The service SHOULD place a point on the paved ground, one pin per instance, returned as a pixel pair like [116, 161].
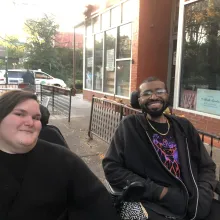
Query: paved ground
[76, 135]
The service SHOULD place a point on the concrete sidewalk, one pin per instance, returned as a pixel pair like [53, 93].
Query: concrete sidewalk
[76, 135]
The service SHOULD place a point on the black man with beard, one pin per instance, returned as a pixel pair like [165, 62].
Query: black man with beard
[166, 153]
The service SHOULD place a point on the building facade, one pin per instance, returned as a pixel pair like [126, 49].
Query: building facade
[176, 40]
[63, 40]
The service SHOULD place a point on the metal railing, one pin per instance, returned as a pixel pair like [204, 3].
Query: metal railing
[209, 139]
[105, 117]
[7, 87]
[60, 99]
[25, 86]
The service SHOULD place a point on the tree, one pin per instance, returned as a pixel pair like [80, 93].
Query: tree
[202, 44]
[41, 51]
[40, 41]
[65, 59]
[14, 49]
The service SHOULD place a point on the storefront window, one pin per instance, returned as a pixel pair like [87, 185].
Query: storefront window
[124, 41]
[109, 75]
[200, 71]
[105, 20]
[88, 28]
[127, 9]
[105, 32]
[122, 77]
[89, 62]
[96, 24]
[98, 62]
[115, 16]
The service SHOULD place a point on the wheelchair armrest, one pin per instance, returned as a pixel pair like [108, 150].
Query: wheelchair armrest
[113, 191]
[133, 191]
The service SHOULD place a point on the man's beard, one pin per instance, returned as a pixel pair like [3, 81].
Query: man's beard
[154, 112]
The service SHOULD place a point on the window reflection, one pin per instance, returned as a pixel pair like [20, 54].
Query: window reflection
[124, 41]
[98, 62]
[110, 41]
[200, 72]
[89, 62]
[106, 20]
[96, 24]
[115, 16]
[88, 28]
[123, 78]
[127, 8]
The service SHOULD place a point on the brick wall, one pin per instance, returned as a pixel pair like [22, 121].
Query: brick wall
[206, 124]
[135, 45]
[154, 35]
[88, 96]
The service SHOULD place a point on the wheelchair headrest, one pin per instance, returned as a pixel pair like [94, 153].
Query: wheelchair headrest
[134, 100]
[45, 115]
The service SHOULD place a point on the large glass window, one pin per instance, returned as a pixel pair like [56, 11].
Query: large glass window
[127, 9]
[124, 41]
[115, 16]
[96, 24]
[122, 77]
[89, 62]
[88, 28]
[200, 72]
[109, 75]
[105, 20]
[106, 32]
[98, 62]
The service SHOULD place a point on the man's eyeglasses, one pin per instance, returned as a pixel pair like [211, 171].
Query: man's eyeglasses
[157, 92]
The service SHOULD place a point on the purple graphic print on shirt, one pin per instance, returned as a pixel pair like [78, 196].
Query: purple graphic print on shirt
[168, 153]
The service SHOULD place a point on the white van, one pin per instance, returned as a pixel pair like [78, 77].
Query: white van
[15, 77]
[46, 79]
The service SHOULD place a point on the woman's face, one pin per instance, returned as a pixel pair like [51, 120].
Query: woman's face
[19, 130]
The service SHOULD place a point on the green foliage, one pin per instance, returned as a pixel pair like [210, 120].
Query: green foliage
[201, 60]
[14, 50]
[79, 64]
[41, 53]
[40, 49]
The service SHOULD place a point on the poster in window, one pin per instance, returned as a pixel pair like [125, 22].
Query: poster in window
[110, 60]
[89, 61]
[208, 101]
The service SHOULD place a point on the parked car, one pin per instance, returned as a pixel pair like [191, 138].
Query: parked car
[2, 77]
[44, 78]
[15, 77]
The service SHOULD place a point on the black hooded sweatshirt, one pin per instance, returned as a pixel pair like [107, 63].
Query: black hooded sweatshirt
[132, 157]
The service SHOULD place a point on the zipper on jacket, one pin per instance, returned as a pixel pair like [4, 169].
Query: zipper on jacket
[173, 176]
[197, 190]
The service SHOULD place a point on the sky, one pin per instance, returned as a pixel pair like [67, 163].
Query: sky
[14, 12]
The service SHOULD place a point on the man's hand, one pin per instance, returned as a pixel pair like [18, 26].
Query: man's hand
[163, 193]
[173, 199]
